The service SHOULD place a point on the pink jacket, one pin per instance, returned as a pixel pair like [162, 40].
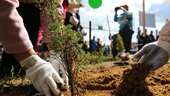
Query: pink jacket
[13, 34]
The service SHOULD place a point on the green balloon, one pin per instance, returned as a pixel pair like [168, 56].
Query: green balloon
[95, 3]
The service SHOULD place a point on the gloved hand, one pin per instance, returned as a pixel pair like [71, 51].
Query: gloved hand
[59, 66]
[154, 55]
[44, 77]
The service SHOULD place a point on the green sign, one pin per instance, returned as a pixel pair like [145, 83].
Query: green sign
[95, 3]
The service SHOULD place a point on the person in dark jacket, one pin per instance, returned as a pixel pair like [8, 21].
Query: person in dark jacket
[151, 37]
[93, 44]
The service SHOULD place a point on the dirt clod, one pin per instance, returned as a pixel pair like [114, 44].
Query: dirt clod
[133, 81]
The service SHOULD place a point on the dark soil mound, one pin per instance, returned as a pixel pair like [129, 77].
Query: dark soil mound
[133, 82]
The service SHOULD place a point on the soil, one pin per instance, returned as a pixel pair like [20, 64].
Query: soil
[106, 79]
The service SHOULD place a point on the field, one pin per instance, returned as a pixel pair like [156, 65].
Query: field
[99, 80]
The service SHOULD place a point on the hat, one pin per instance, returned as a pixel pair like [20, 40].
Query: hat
[125, 7]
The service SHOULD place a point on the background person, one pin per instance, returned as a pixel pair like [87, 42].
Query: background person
[125, 28]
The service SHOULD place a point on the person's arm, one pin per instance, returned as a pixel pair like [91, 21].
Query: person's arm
[156, 54]
[116, 17]
[13, 34]
[164, 37]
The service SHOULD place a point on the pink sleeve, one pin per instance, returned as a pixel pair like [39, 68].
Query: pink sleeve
[13, 34]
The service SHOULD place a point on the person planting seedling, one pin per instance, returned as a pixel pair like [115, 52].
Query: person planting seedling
[151, 57]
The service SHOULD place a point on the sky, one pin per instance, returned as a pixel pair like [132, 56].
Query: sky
[99, 16]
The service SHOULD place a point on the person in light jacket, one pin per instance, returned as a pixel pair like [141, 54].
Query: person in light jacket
[155, 55]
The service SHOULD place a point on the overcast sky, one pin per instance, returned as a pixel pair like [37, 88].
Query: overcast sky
[99, 16]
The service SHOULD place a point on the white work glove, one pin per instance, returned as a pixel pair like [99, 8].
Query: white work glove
[60, 67]
[43, 76]
[153, 55]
